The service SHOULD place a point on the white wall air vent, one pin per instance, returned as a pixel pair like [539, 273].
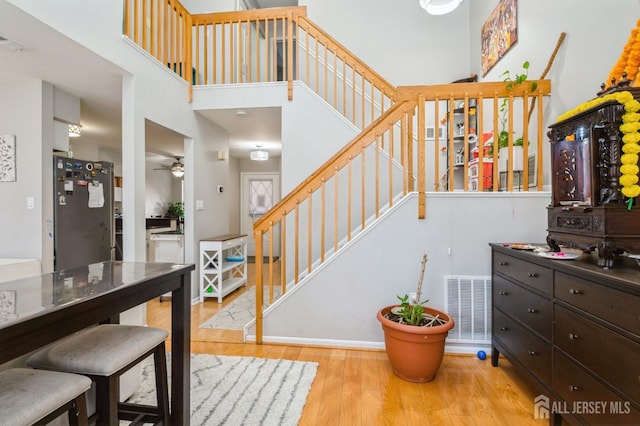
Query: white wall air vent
[11, 45]
[468, 302]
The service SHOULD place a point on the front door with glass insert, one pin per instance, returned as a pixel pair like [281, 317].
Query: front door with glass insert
[260, 192]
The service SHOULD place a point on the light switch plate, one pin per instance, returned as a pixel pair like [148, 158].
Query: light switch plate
[31, 203]
[199, 204]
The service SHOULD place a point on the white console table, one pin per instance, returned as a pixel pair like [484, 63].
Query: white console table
[223, 265]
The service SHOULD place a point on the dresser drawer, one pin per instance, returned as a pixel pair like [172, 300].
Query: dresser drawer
[577, 387]
[527, 273]
[531, 309]
[533, 352]
[615, 306]
[614, 358]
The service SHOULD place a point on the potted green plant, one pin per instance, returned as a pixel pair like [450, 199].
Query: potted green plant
[414, 335]
[176, 210]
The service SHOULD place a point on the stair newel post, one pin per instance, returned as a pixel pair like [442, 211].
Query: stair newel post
[257, 235]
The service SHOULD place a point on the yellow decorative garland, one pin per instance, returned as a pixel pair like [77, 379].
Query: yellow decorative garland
[629, 60]
[630, 128]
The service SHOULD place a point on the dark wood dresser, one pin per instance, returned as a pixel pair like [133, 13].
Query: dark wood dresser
[573, 328]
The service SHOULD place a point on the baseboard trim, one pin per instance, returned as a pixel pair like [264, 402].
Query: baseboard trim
[450, 348]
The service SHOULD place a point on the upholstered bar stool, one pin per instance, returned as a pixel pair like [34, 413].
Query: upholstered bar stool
[36, 397]
[104, 353]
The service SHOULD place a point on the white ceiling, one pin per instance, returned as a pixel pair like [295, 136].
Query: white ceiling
[97, 82]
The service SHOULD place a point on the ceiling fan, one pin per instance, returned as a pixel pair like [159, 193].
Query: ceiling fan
[177, 168]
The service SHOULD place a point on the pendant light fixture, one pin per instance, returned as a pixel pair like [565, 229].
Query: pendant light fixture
[439, 7]
[259, 154]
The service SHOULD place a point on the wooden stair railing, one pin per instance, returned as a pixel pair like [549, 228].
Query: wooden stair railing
[384, 162]
[335, 203]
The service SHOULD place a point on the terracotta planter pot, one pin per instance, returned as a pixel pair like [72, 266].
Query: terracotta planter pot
[415, 353]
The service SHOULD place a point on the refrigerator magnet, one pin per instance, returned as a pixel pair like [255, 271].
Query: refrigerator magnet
[68, 185]
[82, 183]
[60, 164]
[62, 200]
[89, 166]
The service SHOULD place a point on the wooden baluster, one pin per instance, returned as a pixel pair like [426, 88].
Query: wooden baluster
[376, 147]
[496, 135]
[421, 158]
[391, 166]
[364, 185]
[223, 54]
[336, 189]
[335, 79]
[309, 231]
[322, 220]
[296, 243]
[349, 195]
[283, 252]
[539, 164]
[259, 286]
[270, 263]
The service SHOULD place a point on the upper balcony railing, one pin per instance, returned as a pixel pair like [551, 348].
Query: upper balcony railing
[261, 45]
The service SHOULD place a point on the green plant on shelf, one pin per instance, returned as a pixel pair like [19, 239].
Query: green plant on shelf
[512, 80]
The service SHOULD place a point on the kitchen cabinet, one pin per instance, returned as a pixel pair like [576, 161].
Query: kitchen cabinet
[573, 330]
[223, 265]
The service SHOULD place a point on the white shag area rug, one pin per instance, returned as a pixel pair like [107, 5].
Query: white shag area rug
[235, 390]
[239, 312]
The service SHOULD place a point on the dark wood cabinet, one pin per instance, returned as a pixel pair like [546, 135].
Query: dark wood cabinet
[574, 329]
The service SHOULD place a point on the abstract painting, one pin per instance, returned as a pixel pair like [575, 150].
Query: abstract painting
[499, 33]
[7, 158]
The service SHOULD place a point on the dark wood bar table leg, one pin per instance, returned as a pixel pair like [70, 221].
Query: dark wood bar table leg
[181, 353]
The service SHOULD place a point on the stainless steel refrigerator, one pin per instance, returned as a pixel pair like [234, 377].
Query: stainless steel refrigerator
[83, 213]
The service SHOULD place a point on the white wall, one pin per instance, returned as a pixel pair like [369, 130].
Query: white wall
[23, 114]
[398, 39]
[385, 261]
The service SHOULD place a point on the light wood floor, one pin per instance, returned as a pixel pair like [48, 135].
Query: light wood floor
[357, 387]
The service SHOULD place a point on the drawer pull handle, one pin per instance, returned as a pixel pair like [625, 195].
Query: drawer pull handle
[532, 353]
[504, 328]
[574, 291]
[503, 263]
[573, 388]
[532, 275]
[573, 336]
[532, 310]
[504, 293]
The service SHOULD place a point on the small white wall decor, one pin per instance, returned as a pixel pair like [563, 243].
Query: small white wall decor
[7, 158]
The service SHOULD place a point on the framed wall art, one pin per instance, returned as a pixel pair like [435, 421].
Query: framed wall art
[7, 158]
[499, 33]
